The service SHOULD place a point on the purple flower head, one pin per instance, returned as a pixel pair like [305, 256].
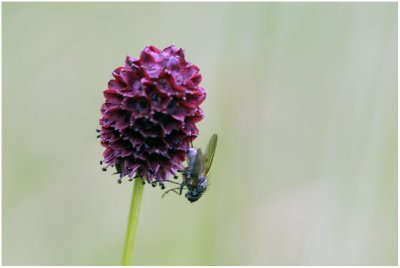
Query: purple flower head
[150, 113]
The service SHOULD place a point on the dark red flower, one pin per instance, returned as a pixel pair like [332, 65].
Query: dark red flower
[150, 113]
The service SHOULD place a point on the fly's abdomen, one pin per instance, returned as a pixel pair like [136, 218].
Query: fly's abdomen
[203, 184]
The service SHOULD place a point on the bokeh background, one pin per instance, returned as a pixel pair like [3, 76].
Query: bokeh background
[302, 95]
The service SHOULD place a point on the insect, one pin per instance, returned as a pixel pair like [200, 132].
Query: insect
[195, 174]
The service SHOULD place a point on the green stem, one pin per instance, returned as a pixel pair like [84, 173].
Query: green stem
[127, 255]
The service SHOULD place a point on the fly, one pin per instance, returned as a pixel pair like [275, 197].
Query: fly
[194, 176]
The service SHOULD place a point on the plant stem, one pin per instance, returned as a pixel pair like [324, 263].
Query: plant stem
[127, 255]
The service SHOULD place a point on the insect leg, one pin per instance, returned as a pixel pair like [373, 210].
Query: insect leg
[174, 190]
[181, 188]
[174, 182]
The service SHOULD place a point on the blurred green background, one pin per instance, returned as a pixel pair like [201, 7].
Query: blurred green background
[302, 95]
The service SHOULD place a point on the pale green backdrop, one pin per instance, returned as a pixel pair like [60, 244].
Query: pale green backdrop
[302, 95]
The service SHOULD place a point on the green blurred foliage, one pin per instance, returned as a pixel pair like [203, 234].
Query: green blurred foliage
[303, 97]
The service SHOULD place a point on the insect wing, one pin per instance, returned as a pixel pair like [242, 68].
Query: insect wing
[198, 167]
[209, 156]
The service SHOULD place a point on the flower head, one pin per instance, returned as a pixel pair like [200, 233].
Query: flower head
[150, 113]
